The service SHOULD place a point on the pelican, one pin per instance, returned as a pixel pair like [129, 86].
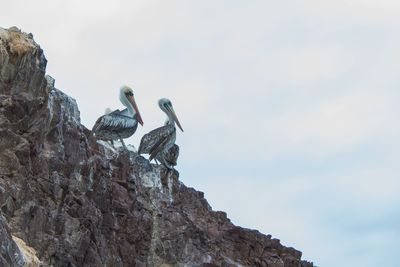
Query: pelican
[157, 142]
[119, 124]
[171, 156]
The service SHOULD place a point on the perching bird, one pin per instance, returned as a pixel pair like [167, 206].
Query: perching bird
[171, 156]
[119, 124]
[157, 142]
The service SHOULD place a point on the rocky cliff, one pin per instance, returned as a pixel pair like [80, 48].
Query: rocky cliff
[67, 199]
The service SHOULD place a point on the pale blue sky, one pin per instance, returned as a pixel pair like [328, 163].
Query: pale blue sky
[290, 108]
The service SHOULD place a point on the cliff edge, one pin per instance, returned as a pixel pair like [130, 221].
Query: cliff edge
[69, 200]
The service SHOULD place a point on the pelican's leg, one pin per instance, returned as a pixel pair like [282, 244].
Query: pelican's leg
[112, 142]
[123, 144]
[161, 156]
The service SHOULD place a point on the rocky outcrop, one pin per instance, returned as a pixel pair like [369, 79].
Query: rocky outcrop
[70, 200]
[10, 255]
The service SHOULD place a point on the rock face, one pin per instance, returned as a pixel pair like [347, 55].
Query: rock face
[75, 201]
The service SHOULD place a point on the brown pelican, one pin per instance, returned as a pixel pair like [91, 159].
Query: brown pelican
[157, 142]
[171, 156]
[119, 124]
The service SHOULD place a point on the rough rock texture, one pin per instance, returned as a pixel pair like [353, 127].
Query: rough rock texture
[10, 255]
[75, 201]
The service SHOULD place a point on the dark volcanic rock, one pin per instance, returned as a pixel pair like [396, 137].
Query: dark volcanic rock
[75, 201]
[9, 251]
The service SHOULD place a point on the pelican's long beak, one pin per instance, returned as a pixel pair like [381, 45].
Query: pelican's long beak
[175, 118]
[136, 109]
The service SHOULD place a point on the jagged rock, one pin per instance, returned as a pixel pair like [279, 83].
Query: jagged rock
[10, 255]
[76, 201]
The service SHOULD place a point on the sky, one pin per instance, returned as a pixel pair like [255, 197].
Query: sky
[290, 108]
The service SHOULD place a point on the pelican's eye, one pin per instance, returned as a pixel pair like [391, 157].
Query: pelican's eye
[128, 93]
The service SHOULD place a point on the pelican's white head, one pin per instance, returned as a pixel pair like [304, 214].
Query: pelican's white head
[127, 98]
[166, 106]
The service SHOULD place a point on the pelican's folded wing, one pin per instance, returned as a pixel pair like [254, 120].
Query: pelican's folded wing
[113, 121]
[156, 138]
